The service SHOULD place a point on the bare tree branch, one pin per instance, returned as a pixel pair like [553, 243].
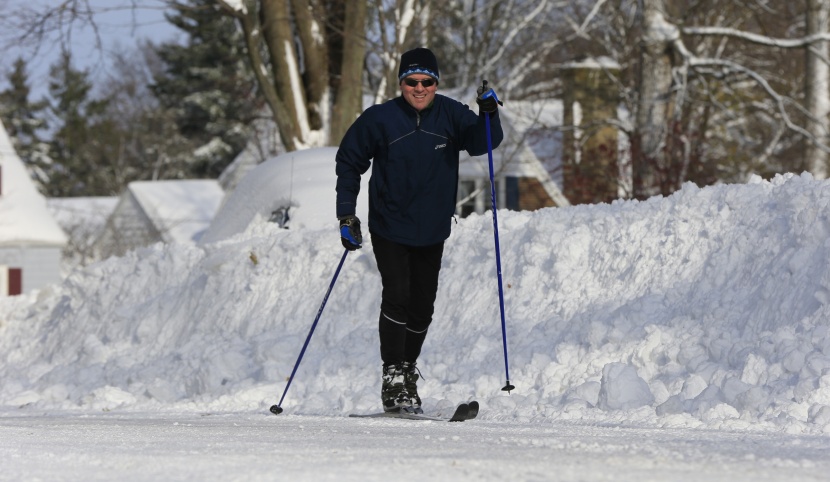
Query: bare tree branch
[756, 38]
[780, 100]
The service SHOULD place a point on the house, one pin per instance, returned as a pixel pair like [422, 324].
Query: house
[526, 166]
[595, 154]
[148, 212]
[558, 152]
[30, 239]
[82, 219]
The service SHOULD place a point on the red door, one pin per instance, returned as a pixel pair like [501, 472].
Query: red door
[15, 281]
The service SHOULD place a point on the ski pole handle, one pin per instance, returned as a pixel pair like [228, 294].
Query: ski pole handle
[485, 93]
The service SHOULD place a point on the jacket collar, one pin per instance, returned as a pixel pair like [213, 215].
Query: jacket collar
[411, 110]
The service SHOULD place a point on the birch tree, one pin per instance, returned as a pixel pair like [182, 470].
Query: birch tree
[394, 26]
[817, 87]
[307, 85]
[656, 102]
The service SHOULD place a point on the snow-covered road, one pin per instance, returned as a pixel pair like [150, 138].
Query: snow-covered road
[68, 446]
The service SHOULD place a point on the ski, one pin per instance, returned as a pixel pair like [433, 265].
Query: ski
[464, 411]
[473, 410]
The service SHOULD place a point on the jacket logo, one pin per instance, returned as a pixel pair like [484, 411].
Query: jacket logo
[439, 146]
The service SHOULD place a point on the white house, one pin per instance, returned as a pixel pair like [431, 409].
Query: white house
[30, 239]
[147, 212]
[526, 165]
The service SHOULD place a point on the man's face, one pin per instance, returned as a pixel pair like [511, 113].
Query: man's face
[418, 96]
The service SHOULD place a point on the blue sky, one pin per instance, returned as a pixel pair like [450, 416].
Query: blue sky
[121, 24]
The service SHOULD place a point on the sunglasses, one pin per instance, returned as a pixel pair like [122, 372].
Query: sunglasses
[424, 82]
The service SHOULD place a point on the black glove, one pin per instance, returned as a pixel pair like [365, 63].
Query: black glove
[489, 103]
[350, 234]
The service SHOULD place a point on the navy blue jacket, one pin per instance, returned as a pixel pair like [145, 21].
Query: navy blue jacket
[414, 159]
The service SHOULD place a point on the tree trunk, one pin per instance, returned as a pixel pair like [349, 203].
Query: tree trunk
[349, 94]
[277, 32]
[315, 58]
[655, 101]
[252, 32]
[817, 90]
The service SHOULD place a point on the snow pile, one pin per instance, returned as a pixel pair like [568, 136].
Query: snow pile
[707, 309]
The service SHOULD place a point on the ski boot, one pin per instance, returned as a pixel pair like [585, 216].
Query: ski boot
[393, 391]
[411, 374]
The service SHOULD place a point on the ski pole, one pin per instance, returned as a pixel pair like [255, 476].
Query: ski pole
[277, 409]
[491, 93]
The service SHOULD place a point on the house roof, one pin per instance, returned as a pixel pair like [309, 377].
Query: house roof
[91, 213]
[181, 210]
[24, 217]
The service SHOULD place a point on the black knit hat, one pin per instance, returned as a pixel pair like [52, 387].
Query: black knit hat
[418, 61]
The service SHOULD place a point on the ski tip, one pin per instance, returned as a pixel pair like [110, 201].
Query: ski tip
[276, 409]
[460, 413]
[472, 410]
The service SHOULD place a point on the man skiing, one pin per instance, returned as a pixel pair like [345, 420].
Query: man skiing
[412, 143]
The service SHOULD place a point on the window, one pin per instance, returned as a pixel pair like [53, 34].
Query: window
[474, 196]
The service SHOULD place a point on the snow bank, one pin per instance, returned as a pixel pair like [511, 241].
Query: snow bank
[707, 309]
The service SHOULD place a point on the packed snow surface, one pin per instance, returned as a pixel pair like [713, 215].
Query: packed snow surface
[690, 329]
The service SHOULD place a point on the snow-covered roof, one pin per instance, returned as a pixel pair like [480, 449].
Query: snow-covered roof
[601, 62]
[91, 212]
[534, 124]
[180, 210]
[302, 180]
[24, 218]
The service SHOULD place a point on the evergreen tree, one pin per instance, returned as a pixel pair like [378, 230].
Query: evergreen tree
[208, 85]
[82, 147]
[23, 120]
[152, 147]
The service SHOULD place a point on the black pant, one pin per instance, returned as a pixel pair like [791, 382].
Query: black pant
[410, 282]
